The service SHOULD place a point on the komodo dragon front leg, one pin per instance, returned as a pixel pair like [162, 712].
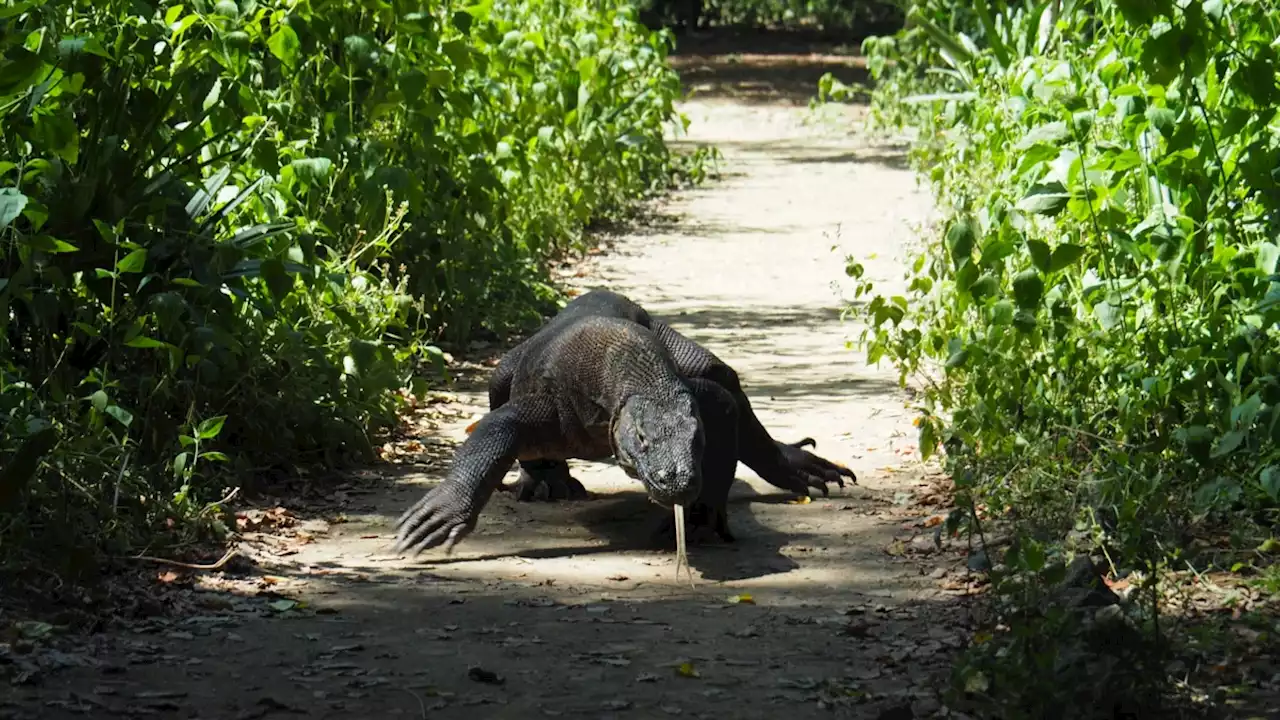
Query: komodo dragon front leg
[448, 512]
[539, 479]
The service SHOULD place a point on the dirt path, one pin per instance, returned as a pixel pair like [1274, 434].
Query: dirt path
[851, 609]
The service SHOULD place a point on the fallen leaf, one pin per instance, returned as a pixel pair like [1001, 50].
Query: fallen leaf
[687, 670]
[32, 629]
[743, 598]
[976, 683]
[802, 500]
[282, 605]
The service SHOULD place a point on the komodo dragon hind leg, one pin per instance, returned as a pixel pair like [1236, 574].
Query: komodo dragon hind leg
[548, 481]
[719, 413]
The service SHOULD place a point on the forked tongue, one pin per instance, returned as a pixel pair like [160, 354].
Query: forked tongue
[682, 549]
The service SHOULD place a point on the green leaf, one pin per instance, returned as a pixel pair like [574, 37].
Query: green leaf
[1268, 254]
[1025, 321]
[1126, 160]
[124, 417]
[1033, 555]
[99, 400]
[133, 262]
[960, 241]
[1002, 313]
[1140, 13]
[312, 171]
[279, 281]
[1244, 414]
[985, 286]
[364, 352]
[50, 245]
[143, 342]
[928, 439]
[16, 9]
[1270, 480]
[284, 44]
[1082, 122]
[1162, 119]
[1064, 256]
[1028, 289]
[1052, 133]
[462, 21]
[943, 39]
[1229, 443]
[12, 202]
[209, 428]
[84, 44]
[180, 463]
[1040, 256]
[23, 69]
[1045, 199]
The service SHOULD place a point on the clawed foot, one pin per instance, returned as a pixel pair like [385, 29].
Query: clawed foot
[547, 484]
[802, 469]
[440, 517]
[695, 516]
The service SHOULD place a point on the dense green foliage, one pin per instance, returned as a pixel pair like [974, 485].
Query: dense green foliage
[1093, 323]
[229, 230]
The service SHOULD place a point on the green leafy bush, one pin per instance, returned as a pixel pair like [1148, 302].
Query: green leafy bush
[228, 230]
[1093, 323]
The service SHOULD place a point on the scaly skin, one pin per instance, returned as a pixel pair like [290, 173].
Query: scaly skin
[591, 387]
[783, 465]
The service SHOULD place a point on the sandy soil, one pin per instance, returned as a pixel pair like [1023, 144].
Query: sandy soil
[840, 606]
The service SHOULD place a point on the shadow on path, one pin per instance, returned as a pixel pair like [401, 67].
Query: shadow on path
[758, 67]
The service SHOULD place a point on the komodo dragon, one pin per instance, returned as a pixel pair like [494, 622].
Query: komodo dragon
[783, 465]
[603, 379]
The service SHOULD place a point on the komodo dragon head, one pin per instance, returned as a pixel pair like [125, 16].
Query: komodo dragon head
[658, 440]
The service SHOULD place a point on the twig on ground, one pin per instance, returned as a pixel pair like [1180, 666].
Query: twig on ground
[190, 566]
[422, 706]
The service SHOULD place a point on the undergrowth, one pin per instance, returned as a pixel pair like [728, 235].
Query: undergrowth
[231, 231]
[1092, 326]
